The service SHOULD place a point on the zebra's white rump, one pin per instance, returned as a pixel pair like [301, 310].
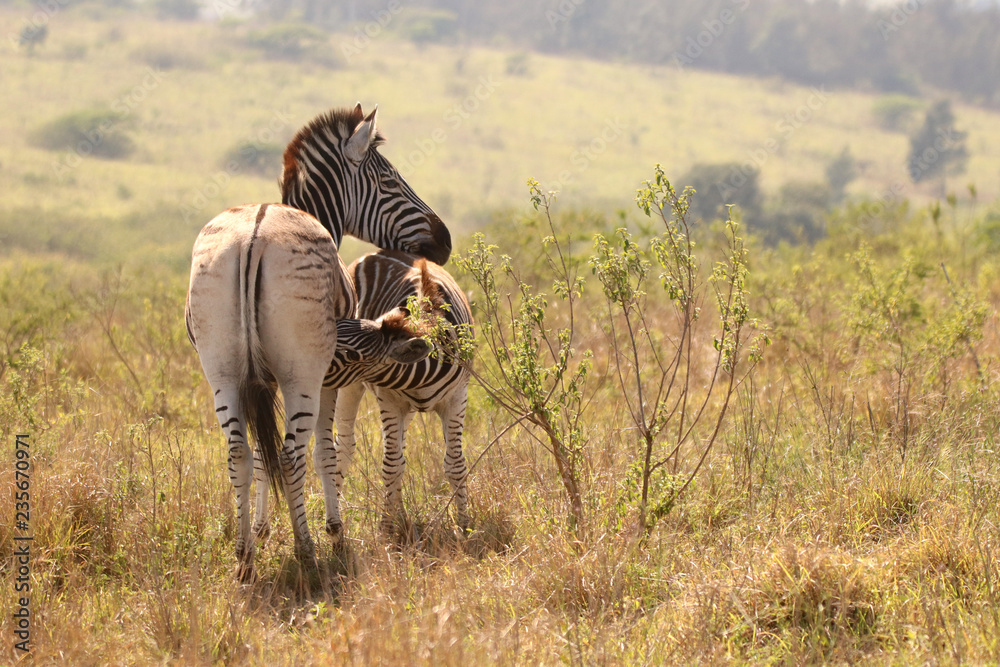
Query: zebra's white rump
[267, 299]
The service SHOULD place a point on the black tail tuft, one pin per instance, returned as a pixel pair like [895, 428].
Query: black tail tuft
[258, 390]
[259, 397]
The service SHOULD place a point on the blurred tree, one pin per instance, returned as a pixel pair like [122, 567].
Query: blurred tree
[719, 185]
[182, 10]
[32, 35]
[895, 112]
[798, 215]
[98, 132]
[938, 148]
[783, 49]
[840, 172]
[950, 44]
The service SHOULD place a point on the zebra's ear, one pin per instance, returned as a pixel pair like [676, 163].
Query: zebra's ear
[396, 322]
[362, 138]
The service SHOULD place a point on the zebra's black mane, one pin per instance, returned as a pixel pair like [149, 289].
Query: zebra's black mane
[340, 122]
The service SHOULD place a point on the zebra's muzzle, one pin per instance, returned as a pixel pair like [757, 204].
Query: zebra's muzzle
[411, 351]
[438, 247]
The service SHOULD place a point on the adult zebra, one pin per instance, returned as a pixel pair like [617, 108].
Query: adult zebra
[266, 308]
[333, 170]
[267, 287]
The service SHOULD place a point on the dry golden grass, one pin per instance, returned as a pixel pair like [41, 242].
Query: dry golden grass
[812, 535]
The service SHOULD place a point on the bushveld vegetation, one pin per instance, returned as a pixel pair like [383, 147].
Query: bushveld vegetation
[844, 507]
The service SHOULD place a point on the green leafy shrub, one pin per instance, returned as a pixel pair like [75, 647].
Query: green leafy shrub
[293, 41]
[252, 158]
[532, 369]
[536, 367]
[654, 364]
[98, 132]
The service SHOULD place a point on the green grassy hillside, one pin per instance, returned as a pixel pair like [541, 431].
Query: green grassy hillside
[466, 126]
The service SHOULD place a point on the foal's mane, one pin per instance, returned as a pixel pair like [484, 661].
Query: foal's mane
[432, 305]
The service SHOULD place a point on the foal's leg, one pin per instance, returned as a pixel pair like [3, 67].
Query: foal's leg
[325, 460]
[452, 414]
[396, 416]
[261, 522]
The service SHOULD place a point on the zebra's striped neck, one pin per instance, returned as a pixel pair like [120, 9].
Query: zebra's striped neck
[333, 171]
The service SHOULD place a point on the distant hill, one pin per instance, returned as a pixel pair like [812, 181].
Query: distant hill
[951, 45]
[206, 107]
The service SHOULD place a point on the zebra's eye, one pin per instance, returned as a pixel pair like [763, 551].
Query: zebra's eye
[390, 183]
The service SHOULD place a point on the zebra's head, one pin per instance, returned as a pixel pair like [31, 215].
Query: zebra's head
[364, 347]
[405, 346]
[333, 170]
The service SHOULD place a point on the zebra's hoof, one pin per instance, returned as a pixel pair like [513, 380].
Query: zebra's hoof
[262, 530]
[335, 529]
[244, 571]
[244, 551]
[305, 553]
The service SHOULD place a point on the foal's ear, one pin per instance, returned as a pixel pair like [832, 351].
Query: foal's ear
[396, 321]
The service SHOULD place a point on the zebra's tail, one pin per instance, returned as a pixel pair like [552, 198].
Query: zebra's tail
[257, 388]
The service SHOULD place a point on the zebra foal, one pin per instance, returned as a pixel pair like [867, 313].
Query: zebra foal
[386, 280]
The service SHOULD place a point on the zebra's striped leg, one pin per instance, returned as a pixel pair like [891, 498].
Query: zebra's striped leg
[300, 419]
[348, 402]
[261, 522]
[233, 425]
[452, 413]
[325, 460]
[395, 419]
